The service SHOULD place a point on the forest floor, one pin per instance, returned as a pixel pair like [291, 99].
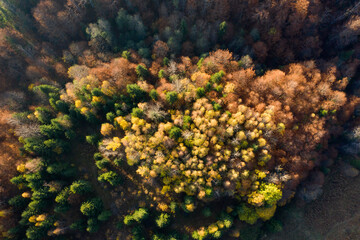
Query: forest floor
[9, 159]
[334, 216]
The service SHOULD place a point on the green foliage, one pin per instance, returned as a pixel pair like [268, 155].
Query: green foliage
[35, 233]
[62, 197]
[93, 139]
[200, 92]
[18, 202]
[216, 77]
[91, 207]
[171, 97]
[110, 116]
[20, 179]
[79, 225]
[103, 163]
[163, 220]
[162, 73]
[43, 115]
[97, 156]
[111, 177]
[247, 214]
[92, 225]
[138, 216]
[104, 216]
[137, 112]
[355, 162]
[165, 61]
[153, 94]
[206, 212]
[126, 55]
[274, 226]
[47, 89]
[222, 29]
[80, 187]
[175, 133]
[271, 193]
[141, 71]
[136, 93]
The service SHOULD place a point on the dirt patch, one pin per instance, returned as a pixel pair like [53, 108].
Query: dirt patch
[335, 215]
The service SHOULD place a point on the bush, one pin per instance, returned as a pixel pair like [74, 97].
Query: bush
[91, 207]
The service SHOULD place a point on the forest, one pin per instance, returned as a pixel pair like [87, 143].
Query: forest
[175, 120]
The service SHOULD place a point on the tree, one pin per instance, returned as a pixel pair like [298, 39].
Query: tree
[171, 97]
[136, 93]
[91, 207]
[141, 71]
[80, 187]
[104, 216]
[101, 36]
[163, 220]
[111, 177]
[138, 216]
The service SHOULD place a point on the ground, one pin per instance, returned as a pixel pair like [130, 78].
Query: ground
[334, 216]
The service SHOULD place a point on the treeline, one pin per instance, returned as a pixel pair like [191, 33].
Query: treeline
[81, 31]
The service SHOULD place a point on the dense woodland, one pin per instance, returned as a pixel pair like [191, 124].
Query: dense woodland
[180, 119]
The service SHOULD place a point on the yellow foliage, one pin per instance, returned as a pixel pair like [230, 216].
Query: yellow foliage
[115, 144]
[32, 219]
[78, 103]
[26, 195]
[21, 168]
[266, 213]
[106, 129]
[41, 218]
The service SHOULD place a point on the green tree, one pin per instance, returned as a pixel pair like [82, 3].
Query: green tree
[111, 177]
[80, 187]
[171, 97]
[142, 71]
[163, 220]
[91, 207]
